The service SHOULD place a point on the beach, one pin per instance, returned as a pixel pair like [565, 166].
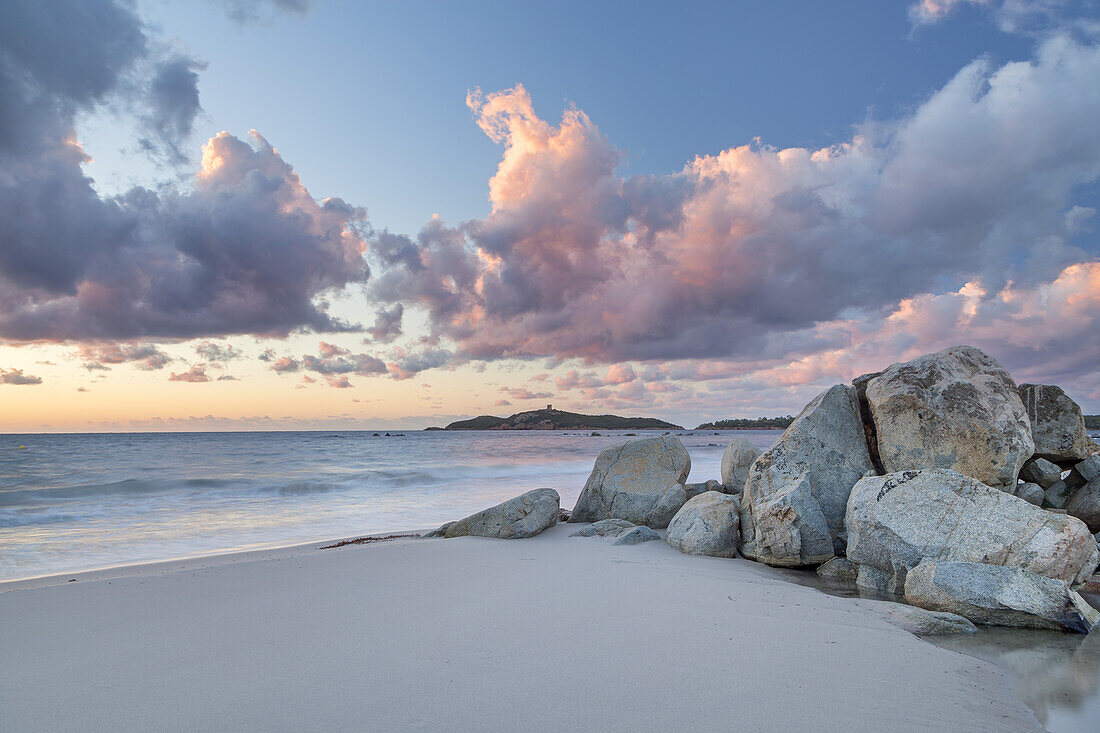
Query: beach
[547, 633]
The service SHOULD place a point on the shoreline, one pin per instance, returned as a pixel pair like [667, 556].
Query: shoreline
[550, 632]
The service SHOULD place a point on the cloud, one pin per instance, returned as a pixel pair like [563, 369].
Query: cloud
[740, 254]
[522, 393]
[387, 323]
[244, 12]
[144, 356]
[925, 12]
[502, 403]
[16, 376]
[407, 363]
[332, 362]
[197, 373]
[216, 353]
[243, 249]
[173, 98]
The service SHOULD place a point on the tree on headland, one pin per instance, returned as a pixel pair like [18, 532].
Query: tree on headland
[745, 423]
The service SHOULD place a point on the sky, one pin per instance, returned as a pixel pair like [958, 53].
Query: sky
[317, 215]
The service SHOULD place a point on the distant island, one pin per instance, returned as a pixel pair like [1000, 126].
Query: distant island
[744, 423]
[1092, 422]
[551, 419]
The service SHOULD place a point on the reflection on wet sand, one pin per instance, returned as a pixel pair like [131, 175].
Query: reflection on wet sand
[1056, 674]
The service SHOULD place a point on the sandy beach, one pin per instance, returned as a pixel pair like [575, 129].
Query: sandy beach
[548, 633]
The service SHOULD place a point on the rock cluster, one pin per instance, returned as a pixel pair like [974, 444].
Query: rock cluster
[937, 479]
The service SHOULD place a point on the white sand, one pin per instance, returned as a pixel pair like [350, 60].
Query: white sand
[550, 633]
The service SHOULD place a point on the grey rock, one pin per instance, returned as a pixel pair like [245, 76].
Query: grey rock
[641, 481]
[604, 528]
[792, 509]
[693, 490]
[1056, 495]
[636, 536]
[956, 409]
[1085, 504]
[1031, 493]
[899, 520]
[1083, 472]
[706, 525]
[838, 570]
[736, 459]
[999, 596]
[523, 516]
[871, 578]
[1057, 426]
[1042, 472]
[921, 621]
[436, 532]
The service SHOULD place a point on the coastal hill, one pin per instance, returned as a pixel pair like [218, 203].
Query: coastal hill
[551, 419]
[742, 423]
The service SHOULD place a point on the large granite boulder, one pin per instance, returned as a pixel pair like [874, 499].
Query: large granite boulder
[999, 596]
[956, 409]
[736, 459]
[1057, 426]
[636, 536]
[524, 516]
[641, 481]
[792, 508]
[1041, 471]
[693, 490]
[898, 520]
[706, 525]
[921, 621]
[1084, 503]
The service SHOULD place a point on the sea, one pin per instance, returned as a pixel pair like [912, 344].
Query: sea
[75, 502]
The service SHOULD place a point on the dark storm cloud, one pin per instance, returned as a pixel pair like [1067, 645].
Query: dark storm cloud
[246, 249]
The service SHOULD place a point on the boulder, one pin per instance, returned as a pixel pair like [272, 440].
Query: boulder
[706, 525]
[693, 490]
[999, 596]
[1083, 472]
[604, 528]
[636, 536]
[871, 578]
[1056, 495]
[898, 520]
[956, 409]
[792, 508]
[1057, 426]
[838, 570]
[1031, 493]
[736, 459]
[921, 621]
[641, 481]
[1042, 472]
[524, 516]
[1085, 504]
